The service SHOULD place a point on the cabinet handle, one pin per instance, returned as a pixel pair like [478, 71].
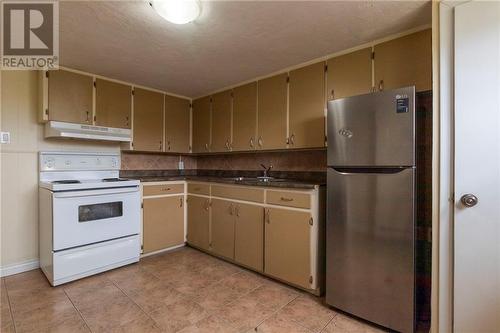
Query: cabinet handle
[332, 94]
[206, 146]
[251, 142]
[160, 145]
[168, 144]
[237, 209]
[286, 199]
[87, 118]
[207, 205]
[268, 217]
[260, 141]
[126, 121]
[181, 201]
[231, 209]
[292, 139]
[381, 85]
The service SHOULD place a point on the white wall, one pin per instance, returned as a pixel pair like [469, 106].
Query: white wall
[19, 167]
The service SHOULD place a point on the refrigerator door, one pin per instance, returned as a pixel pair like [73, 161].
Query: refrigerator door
[370, 256]
[375, 129]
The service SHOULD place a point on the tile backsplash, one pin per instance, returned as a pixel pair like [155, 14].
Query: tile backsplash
[307, 160]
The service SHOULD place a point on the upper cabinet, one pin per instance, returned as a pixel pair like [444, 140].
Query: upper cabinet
[177, 124]
[244, 117]
[221, 121]
[405, 61]
[113, 104]
[201, 124]
[70, 97]
[272, 112]
[307, 107]
[349, 74]
[148, 120]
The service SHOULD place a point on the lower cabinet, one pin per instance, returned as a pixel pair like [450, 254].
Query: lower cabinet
[249, 236]
[278, 238]
[163, 222]
[287, 245]
[198, 215]
[223, 216]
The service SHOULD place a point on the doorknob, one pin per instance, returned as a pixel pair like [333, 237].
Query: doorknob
[469, 200]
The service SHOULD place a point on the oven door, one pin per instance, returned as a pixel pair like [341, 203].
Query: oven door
[92, 216]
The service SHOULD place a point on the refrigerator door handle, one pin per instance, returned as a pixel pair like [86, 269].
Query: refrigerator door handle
[376, 170]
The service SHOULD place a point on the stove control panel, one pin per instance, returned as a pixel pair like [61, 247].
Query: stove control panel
[67, 161]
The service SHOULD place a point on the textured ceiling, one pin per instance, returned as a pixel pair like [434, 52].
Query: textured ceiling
[232, 41]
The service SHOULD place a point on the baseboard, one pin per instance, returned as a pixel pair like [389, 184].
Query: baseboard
[162, 250]
[19, 268]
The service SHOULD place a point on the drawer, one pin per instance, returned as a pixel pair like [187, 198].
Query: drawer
[238, 193]
[195, 188]
[148, 190]
[290, 199]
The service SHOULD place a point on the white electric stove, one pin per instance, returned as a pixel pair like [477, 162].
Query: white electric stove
[89, 217]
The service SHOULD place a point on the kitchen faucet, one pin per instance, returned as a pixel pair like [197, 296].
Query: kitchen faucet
[266, 170]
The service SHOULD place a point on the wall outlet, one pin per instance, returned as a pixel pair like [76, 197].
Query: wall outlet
[181, 165]
[5, 137]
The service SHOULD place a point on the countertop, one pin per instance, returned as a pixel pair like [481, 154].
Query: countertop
[282, 182]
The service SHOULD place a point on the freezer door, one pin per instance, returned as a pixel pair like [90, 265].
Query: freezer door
[375, 129]
[370, 257]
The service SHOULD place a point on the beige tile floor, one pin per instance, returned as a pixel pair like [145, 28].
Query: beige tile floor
[181, 291]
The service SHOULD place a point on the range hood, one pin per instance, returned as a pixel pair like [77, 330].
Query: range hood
[58, 129]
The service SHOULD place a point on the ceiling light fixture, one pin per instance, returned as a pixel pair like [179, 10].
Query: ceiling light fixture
[177, 11]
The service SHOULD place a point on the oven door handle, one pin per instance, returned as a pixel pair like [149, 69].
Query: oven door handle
[98, 192]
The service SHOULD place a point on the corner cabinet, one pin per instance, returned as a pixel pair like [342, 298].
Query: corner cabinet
[70, 97]
[198, 214]
[113, 104]
[148, 120]
[177, 124]
[307, 107]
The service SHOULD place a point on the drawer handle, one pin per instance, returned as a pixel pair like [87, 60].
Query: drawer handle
[165, 189]
[286, 199]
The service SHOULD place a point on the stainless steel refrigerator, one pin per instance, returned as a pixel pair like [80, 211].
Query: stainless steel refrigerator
[371, 207]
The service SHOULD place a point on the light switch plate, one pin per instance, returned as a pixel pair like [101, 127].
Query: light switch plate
[4, 137]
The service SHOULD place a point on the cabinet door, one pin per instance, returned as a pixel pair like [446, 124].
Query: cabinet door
[222, 228]
[201, 125]
[198, 219]
[163, 223]
[350, 74]
[249, 236]
[221, 121]
[70, 97]
[288, 246]
[405, 61]
[176, 124]
[148, 120]
[307, 107]
[272, 110]
[113, 104]
[244, 116]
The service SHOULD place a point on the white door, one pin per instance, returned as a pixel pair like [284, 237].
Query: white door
[477, 167]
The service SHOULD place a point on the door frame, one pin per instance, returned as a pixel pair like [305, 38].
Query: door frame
[443, 166]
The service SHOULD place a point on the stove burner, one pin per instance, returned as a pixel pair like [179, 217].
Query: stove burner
[114, 180]
[68, 181]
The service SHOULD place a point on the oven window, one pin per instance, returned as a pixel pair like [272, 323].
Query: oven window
[100, 211]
